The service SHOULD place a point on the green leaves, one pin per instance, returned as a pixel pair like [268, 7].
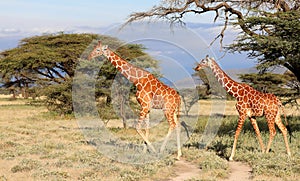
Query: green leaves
[47, 64]
[277, 42]
[50, 58]
[278, 84]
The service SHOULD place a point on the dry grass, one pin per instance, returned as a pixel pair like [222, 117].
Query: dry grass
[9, 101]
[209, 107]
[38, 145]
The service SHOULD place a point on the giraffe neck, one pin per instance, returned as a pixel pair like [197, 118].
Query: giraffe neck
[226, 82]
[131, 72]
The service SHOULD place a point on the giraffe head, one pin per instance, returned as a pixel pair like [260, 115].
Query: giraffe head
[203, 63]
[98, 50]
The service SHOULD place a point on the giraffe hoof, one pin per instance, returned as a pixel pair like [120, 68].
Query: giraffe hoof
[230, 159]
[178, 156]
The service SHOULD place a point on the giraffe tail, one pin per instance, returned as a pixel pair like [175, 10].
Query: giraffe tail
[185, 126]
[288, 127]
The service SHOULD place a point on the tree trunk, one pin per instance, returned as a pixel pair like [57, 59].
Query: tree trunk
[13, 92]
[293, 70]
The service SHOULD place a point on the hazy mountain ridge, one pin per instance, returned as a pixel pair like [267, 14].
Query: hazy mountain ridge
[233, 73]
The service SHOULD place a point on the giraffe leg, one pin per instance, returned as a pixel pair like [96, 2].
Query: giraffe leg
[140, 132]
[284, 133]
[179, 153]
[237, 133]
[256, 129]
[173, 121]
[147, 122]
[162, 148]
[139, 129]
[178, 127]
[145, 102]
[272, 130]
[170, 120]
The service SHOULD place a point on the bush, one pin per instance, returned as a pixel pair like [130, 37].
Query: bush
[59, 98]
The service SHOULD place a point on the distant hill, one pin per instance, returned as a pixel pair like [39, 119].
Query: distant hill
[167, 82]
[233, 73]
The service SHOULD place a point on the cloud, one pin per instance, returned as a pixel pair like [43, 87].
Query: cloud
[186, 45]
[211, 31]
[6, 32]
[9, 30]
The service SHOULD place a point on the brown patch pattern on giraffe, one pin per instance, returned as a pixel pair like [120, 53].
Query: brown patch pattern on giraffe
[151, 93]
[250, 103]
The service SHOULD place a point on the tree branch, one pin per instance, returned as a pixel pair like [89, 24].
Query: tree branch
[222, 32]
[57, 73]
[175, 10]
[178, 13]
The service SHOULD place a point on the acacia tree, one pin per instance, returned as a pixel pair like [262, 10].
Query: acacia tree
[43, 60]
[236, 12]
[279, 44]
[47, 63]
[174, 11]
[278, 84]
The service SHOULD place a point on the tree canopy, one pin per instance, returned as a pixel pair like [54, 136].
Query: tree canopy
[43, 60]
[48, 63]
[278, 45]
[278, 84]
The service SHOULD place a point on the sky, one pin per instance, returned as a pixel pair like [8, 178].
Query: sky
[25, 18]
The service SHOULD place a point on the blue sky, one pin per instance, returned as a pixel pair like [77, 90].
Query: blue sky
[53, 14]
[24, 18]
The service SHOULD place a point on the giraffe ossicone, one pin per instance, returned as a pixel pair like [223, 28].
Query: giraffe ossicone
[151, 93]
[250, 103]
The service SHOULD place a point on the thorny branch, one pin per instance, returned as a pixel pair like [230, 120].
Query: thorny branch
[221, 35]
[174, 11]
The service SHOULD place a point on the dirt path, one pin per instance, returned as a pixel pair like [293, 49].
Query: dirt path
[239, 171]
[186, 170]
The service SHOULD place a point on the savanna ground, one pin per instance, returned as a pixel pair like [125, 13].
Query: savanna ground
[38, 145]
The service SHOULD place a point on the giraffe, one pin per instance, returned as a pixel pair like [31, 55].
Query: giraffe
[151, 93]
[250, 103]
